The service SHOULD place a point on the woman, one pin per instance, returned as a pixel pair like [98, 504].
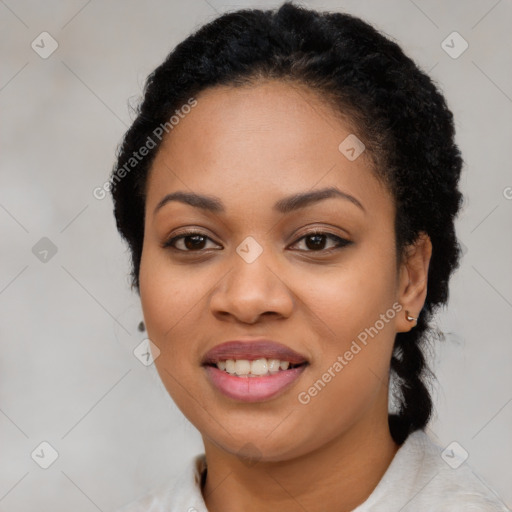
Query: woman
[288, 192]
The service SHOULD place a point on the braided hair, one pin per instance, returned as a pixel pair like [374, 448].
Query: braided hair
[400, 116]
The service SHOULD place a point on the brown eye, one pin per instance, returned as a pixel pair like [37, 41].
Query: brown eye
[316, 241]
[188, 242]
[192, 242]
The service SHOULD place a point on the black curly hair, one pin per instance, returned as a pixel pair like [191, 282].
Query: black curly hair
[400, 116]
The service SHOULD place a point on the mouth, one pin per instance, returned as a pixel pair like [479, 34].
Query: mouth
[253, 371]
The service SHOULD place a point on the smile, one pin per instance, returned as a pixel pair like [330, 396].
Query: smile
[253, 370]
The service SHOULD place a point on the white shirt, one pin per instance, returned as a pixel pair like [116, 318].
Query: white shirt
[417, 480]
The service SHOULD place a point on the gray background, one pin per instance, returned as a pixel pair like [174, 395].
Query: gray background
[69, 324]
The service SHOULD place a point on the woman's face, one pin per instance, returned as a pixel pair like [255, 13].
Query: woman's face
[317, 276]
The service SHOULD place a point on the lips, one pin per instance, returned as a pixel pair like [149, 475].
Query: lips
[253, 388]
[252, 350]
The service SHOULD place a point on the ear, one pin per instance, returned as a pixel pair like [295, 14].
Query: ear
[412, 280]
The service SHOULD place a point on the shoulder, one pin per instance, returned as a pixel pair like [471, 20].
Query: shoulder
[183, 494]
[426, 478]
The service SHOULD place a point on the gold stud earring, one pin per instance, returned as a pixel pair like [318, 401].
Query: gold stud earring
[409, 317]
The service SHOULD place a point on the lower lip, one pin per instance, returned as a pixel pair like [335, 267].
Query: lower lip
[253, 389]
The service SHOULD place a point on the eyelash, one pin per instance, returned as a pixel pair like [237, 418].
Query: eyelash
[341, 242]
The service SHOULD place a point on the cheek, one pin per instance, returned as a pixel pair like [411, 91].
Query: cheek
[350, 298]
[174, 301]
[351, 311]
[171, 298]
[168, 291]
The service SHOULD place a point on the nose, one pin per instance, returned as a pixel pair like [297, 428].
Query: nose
[250, 290]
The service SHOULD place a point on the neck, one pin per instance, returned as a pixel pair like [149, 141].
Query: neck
[340, 475]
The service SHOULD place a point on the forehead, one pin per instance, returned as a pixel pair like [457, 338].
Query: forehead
[265, 141]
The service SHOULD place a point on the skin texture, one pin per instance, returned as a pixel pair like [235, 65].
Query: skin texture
[250, 147]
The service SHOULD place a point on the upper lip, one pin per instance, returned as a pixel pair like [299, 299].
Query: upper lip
[251, 350]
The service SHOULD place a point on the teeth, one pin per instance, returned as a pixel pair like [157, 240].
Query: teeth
[273, 365]
[258, 367]
[230, 366]
[242, 367]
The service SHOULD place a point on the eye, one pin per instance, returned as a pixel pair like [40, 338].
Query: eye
[315, 241]
[192, 241]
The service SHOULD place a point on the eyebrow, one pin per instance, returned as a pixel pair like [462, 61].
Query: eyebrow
[286, 205]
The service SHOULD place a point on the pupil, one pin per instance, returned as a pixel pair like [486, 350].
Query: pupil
[320, 241]
[198, 240]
